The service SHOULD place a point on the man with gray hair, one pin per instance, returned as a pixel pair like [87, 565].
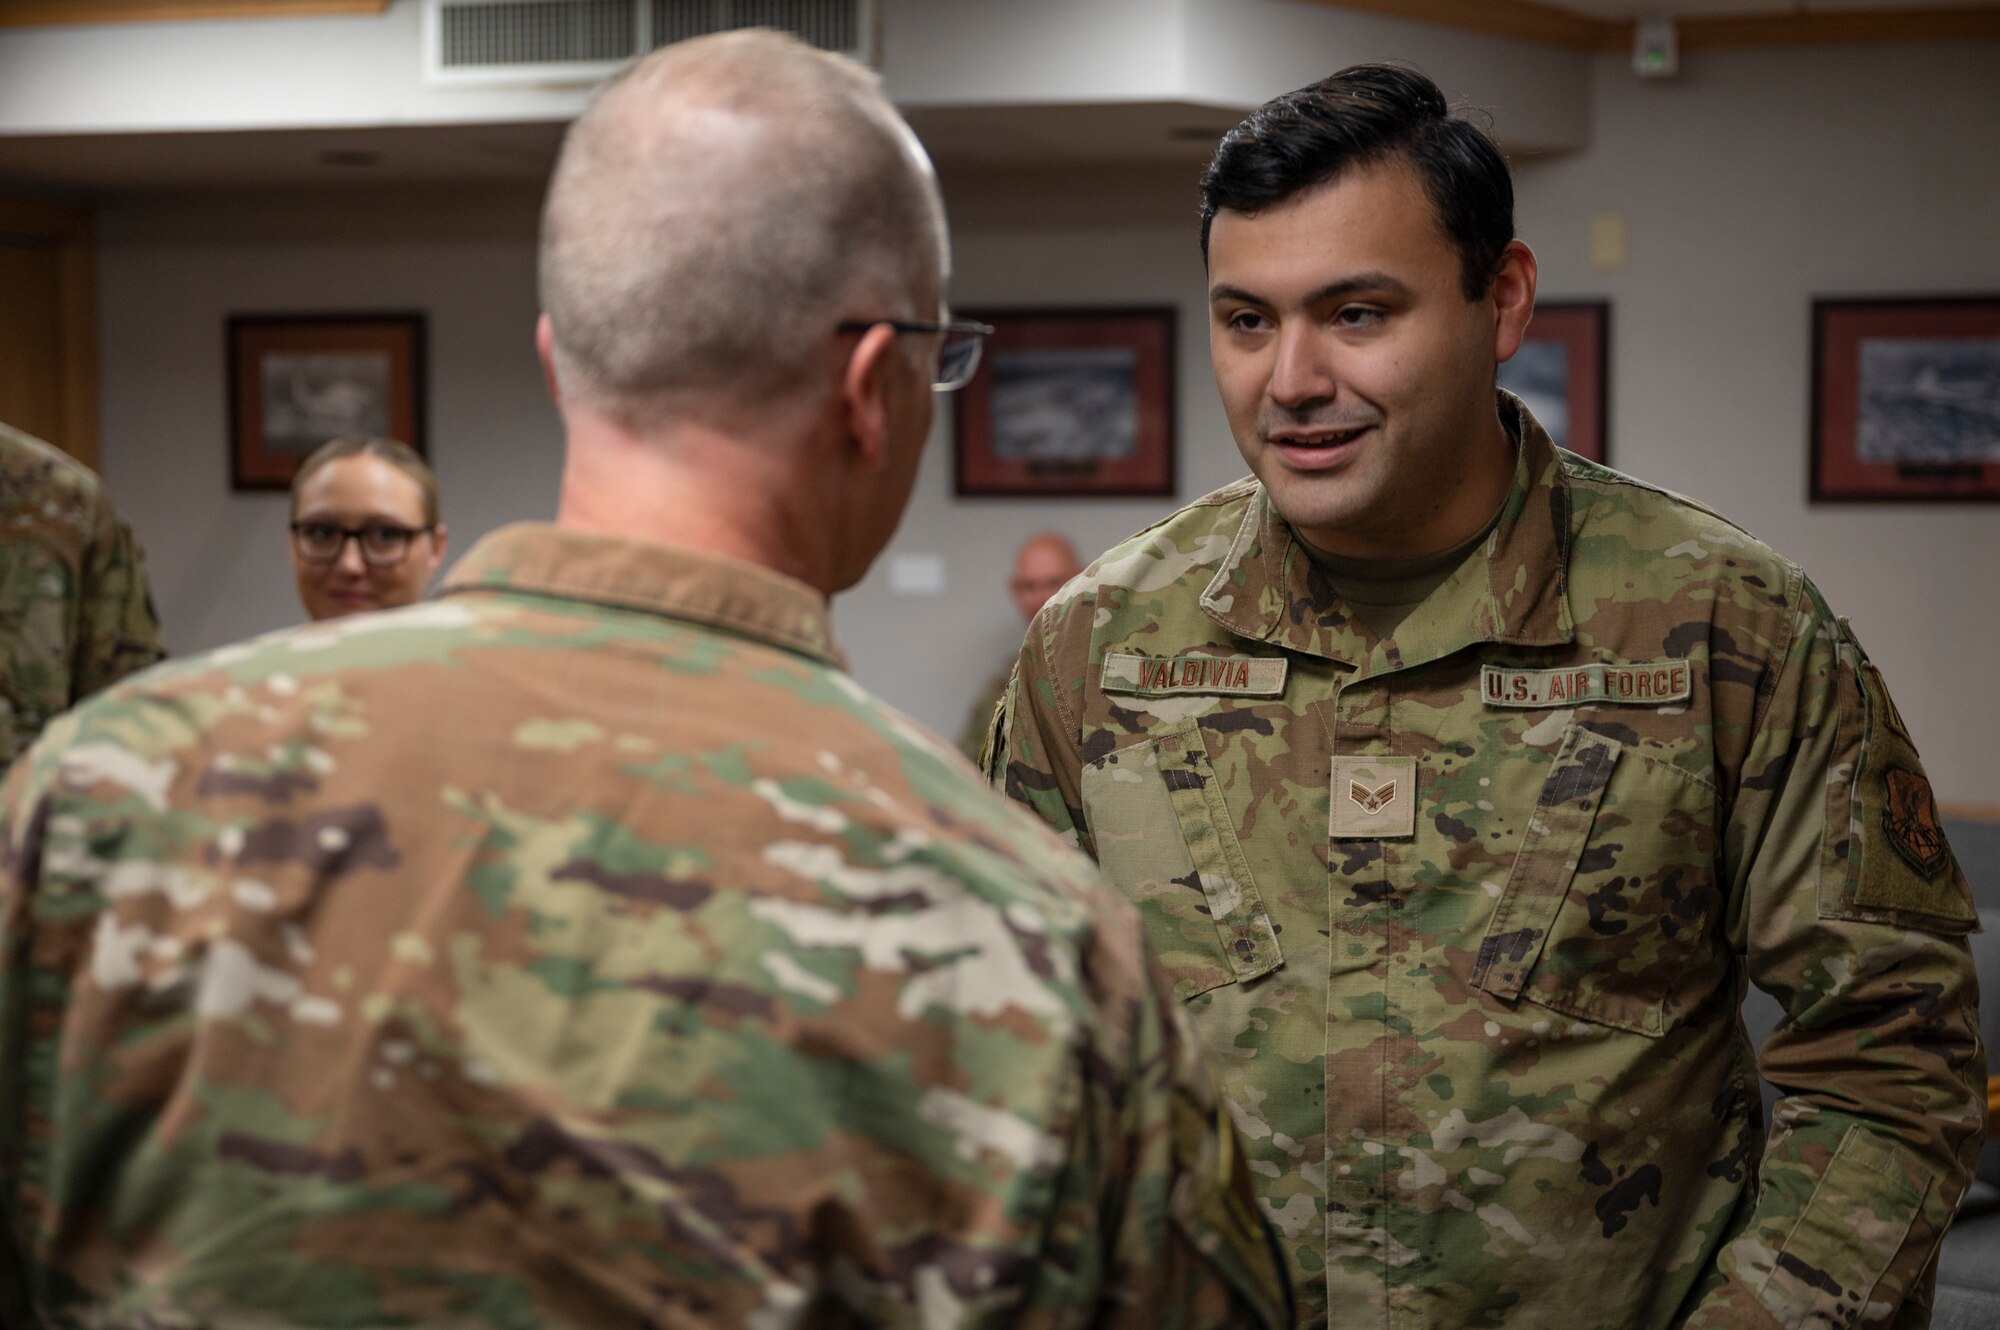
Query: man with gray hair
[583, 947]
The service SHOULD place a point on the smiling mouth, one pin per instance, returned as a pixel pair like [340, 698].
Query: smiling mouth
[1324, 447]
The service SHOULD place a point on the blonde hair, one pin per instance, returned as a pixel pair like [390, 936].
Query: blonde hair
[393, 451]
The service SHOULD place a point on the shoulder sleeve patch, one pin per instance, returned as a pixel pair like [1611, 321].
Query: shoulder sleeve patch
[1886, 850]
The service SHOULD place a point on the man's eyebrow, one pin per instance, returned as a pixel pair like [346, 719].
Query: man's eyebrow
[1374, 282]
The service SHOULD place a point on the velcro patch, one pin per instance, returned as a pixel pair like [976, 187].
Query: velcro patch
[1162, 676]
[1910, 817]
[1374, 798]
[1644, 685]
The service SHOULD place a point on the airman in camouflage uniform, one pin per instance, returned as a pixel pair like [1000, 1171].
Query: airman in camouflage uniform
[75, 614]
[1042, 564]
[584, 948]
[1464, 902]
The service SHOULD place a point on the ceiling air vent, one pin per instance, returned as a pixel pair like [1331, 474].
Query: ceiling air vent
[514, 43]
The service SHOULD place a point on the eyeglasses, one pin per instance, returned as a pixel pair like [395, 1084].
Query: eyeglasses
[958, 357]
[383, 544]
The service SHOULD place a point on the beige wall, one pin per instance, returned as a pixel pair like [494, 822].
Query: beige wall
[173, 270]
[1753, 182]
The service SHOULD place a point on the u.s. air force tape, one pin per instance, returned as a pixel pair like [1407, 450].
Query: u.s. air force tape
[1157, 676]
[1645, 685]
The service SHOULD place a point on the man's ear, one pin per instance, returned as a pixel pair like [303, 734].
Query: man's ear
[1513, 298]
[545, 351]
[866, 384]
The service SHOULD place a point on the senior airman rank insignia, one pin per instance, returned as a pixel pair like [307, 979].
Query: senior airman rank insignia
[1374, 798]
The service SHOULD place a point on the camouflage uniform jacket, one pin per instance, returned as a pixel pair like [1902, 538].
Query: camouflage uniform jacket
[1465, 916]
[582, 949]
[74, 611]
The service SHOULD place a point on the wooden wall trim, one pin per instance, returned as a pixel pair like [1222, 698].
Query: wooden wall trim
[1971, 812]
[1534, 20]
[70, 229]
[40, 217]
[48, 13]
[1528, 19]
[1857, 26]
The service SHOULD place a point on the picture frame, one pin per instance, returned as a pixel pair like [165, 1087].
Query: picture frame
[1069, 403]
[298, 380]
[1562, 372]
[1906, 399]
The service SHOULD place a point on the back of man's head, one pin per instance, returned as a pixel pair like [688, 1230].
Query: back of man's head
[1360, 116]
[715, 211]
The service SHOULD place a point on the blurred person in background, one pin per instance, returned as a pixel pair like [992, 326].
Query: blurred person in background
[365, 528]
[1044, 562]
[75, 611]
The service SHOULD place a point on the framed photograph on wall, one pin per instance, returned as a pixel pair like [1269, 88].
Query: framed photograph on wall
[1906, 399]
[1561, 373]
[297, 380]
[1069, 402]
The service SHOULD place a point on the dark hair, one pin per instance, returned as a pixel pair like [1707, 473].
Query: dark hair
[1362, 115]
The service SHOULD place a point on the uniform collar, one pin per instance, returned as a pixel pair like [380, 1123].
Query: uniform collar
[535, 558]
[1513, 589]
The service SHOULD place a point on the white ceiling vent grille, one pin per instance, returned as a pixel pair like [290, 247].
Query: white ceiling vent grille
[512, 43]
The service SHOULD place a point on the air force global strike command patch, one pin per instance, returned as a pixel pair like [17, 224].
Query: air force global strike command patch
[1910, 816]
[1644, 684]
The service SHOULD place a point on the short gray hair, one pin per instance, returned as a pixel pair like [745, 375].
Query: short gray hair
[716, 209]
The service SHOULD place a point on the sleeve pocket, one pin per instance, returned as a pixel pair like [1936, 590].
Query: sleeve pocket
[1849, 1231]
[1885, 858]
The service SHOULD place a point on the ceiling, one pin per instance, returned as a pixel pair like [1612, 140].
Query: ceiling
[1140, 136]
[1133, 134]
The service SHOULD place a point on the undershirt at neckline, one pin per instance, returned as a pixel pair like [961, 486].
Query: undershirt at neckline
[1383, 592]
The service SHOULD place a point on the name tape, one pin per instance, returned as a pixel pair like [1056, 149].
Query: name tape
[1645, 685]
[1244, 676]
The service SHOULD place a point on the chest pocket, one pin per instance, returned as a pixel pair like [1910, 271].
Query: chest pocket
[1613, 891]
[1166, 839]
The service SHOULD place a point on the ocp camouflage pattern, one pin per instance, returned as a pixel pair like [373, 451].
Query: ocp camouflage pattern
[75, 614]
[1465, 916]
[581, 949]
[978, 723]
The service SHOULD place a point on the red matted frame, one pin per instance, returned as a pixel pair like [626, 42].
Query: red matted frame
[297, 380]
[1056, 384]
[1582, 328]
[1906, 399]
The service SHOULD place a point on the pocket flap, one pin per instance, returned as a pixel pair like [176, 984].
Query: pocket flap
[1548, 858]
[1248, 939]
